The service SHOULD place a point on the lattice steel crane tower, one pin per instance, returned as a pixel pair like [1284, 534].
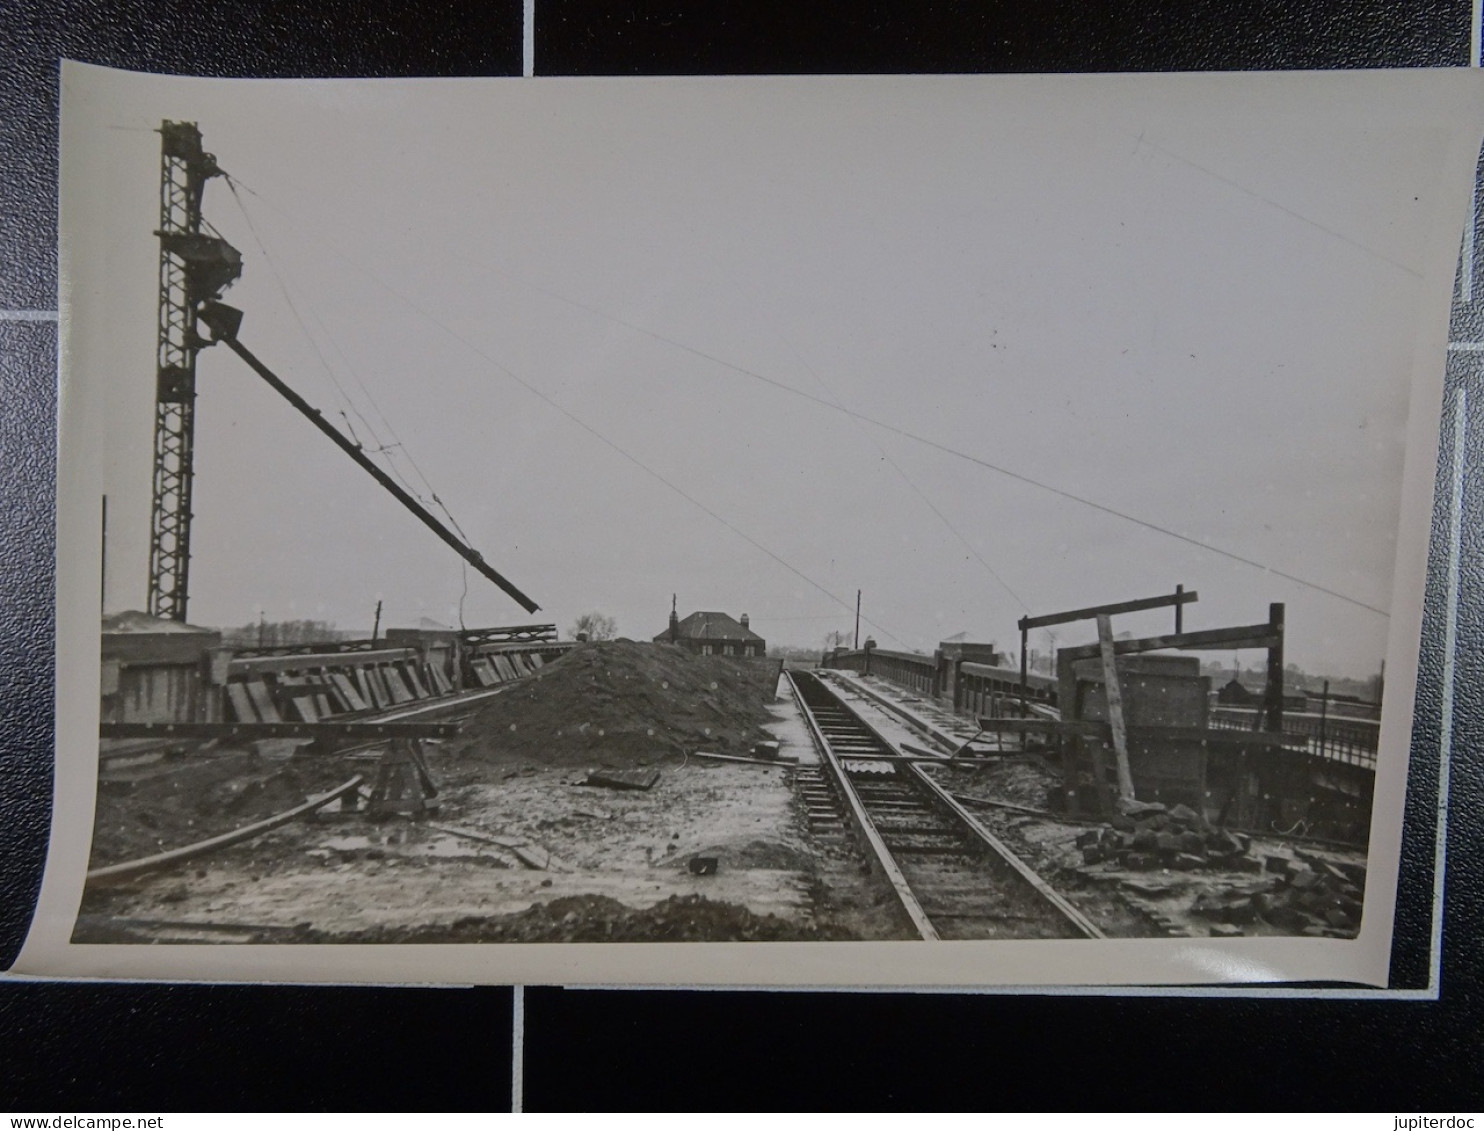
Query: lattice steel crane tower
[194, 266]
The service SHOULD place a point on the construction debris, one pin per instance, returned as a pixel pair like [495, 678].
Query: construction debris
[1150, 836]
[531, 855]
[777, 760]
[1309, 896]
[623, 779]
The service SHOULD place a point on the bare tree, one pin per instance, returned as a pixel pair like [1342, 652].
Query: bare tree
[595, 626]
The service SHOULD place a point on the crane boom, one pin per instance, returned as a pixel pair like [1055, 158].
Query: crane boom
[223, 321]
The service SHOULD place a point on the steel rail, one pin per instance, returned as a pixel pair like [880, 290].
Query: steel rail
[863, 823]
[998, 848]
[1026, 872]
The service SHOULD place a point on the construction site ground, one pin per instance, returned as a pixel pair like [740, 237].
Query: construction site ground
[1167, 901]
[522, 849]
[610, 864]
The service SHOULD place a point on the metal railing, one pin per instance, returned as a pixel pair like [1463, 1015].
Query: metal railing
[919, 673]
[1353, 742]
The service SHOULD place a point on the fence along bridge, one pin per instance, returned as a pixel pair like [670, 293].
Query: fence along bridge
[1129, 721]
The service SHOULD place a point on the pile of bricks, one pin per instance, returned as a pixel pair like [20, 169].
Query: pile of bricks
[1308, 895]
[1149, 836]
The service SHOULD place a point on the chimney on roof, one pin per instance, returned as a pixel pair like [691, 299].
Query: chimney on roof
[674, 621]
[744, 622]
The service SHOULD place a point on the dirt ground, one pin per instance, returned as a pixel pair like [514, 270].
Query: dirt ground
[615, 864]
[523, 849]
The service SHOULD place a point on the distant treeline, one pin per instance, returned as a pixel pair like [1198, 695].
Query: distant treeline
[280, 633]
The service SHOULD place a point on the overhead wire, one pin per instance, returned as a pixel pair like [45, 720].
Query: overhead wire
[918, 491]
[946, 449]
[595, 433]
[381, 447]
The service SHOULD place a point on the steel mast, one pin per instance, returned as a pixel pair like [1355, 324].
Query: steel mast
[193, 267]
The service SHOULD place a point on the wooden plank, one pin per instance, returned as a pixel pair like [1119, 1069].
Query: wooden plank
[335, 701]
[398, 686]
[781, 760]
[1113, 690]
[503, 666]
[1095, 611]
[1043, 726]
[519, 663]
[536, 660]
[262, 701]
[640, 779]
[415, 679]
[348, 691]
[241, 704]
[278, 730]
[380, 696]
[303, 706]
[484, 673]
[438, 680]
[315, 661]
[1212, 640]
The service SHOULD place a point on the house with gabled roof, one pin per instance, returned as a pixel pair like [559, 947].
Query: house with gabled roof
[712, 634]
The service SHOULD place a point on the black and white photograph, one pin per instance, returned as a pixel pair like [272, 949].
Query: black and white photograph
[812, 511]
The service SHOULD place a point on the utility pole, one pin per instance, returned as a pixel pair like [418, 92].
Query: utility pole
[376, 625]
[193, 267]
[857, 644]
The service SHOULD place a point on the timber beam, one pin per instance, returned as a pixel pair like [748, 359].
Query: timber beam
[277, 730]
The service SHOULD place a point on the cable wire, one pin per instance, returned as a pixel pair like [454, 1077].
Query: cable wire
[946, 449]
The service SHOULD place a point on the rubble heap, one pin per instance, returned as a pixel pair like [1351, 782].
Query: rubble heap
[1308, 895]
[620, 701]
[1149, 835]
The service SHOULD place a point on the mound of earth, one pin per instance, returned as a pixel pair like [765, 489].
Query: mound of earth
[200, 796]
[620, 701]
[598, 918]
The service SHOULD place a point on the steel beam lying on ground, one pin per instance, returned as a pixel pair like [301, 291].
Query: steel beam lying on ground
[236, 836]
[277, 730]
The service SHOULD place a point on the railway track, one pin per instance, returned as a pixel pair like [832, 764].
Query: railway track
[953, 878]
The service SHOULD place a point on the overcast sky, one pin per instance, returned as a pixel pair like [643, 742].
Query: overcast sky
[690, 336]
